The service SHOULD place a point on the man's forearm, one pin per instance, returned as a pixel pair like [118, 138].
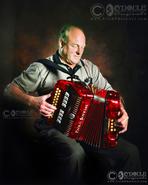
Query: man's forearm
[15, 93]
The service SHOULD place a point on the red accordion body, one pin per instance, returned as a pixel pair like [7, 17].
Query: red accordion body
[84, 116]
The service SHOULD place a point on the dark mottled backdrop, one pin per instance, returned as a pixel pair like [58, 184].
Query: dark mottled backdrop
[28, 31]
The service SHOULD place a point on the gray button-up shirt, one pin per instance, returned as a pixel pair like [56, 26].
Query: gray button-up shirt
[37, 78]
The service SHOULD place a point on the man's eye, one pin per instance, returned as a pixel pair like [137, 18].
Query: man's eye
[74, 45]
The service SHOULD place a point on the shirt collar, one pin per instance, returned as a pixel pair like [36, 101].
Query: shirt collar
[56, 59]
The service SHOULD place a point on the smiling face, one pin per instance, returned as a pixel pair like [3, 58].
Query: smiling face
[72, 49]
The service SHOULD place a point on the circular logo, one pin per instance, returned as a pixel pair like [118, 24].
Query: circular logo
[97, 10]
[6, 113]
[109, 10]
[13, 113]
[120, 175]
[112, 175]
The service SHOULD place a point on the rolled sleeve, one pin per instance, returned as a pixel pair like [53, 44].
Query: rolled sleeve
[29, 80]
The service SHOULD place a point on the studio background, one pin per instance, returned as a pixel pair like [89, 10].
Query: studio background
[28, 31]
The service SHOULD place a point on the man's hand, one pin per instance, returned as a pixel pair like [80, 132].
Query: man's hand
[123, 120]
[43, 106]
[37, 102]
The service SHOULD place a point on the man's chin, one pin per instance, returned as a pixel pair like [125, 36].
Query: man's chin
[73, 62]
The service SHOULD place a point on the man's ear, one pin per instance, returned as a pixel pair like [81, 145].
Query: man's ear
[61, 43]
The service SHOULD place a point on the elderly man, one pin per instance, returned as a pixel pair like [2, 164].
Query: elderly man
[69, 156]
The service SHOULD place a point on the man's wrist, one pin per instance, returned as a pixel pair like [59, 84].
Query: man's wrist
[30, 101]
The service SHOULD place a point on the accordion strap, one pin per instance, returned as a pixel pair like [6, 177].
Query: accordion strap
[51, 65]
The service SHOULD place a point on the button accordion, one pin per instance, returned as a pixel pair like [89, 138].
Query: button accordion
[90, 118]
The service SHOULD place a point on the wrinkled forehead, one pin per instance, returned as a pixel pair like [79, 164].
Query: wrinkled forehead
[76, 36]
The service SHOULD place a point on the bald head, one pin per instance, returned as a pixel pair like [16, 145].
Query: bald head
[70, 29]
[72, 42]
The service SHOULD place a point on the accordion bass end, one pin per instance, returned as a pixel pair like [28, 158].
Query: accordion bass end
[84, 116]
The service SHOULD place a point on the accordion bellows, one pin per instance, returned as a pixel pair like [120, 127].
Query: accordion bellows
[90, 118]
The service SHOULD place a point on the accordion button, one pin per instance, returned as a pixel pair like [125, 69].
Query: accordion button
[71, 116]
[64, 105]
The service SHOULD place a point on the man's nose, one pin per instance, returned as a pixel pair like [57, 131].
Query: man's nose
[78, 51]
